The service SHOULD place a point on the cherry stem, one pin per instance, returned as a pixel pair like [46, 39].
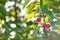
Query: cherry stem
[43, 16]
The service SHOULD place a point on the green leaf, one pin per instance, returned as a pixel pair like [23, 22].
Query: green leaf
[29, 23]
[2, 13]
[51, 17]
[6, 35]
[26, 2]
[46, 31]
[45, 9]
[17, 37]
[41, 3]
[35, 33]
[52, 23]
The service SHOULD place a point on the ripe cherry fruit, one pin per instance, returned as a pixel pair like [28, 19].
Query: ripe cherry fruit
[38, 19]
[46, 25]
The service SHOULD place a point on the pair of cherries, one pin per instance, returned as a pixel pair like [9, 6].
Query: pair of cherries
[45, 25]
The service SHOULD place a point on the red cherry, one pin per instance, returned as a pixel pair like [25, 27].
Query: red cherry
[38, 19]
[46, 25]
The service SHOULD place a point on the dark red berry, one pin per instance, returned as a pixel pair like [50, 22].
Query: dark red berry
[46, 25]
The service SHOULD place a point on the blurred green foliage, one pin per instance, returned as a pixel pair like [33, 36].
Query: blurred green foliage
[25, 25]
